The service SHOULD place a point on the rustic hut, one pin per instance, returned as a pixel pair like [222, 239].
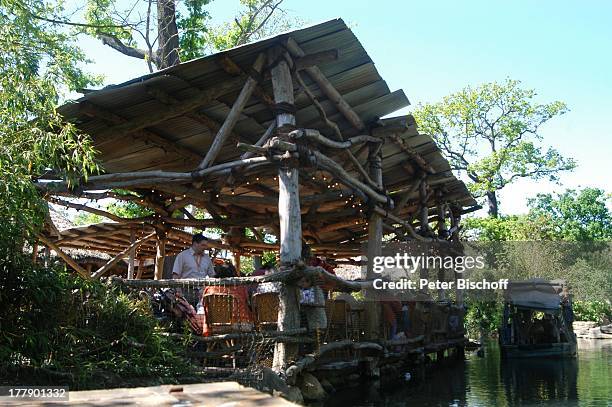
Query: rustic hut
[289, 136]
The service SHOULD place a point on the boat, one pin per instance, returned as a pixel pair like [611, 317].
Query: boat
[537, 320]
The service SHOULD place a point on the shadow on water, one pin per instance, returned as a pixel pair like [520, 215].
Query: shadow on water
[490, 381]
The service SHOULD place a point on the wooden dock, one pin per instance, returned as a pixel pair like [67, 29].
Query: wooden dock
[204, 394]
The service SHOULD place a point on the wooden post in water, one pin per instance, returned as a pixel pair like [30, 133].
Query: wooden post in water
[375, 235]
[288, 210]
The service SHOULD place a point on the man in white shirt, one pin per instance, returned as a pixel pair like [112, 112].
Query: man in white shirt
[193, 262]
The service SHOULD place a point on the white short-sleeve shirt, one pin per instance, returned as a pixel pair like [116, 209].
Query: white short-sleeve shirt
[189, 265]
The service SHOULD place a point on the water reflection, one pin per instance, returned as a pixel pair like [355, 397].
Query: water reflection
[490, 381]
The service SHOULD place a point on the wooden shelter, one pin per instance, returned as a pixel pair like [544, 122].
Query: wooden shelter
[284, 136]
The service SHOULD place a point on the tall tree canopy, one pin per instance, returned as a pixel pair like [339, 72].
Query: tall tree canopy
[580, 216]
[164, 32]
[39, 63]
[573, 215]
[491, 134]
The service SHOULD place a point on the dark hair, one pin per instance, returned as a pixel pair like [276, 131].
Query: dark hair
[198, 237]
[268, 265]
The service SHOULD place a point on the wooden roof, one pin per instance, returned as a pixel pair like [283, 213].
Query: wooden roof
[167, 121]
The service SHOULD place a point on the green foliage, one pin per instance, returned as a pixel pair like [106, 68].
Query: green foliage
[101, 15]
[59, 329]
[482, 317]
[124, 209]
[575, 215]
[256, 19]
[504, 228]
[489, 132]
[38, 62]
[193, 28]
[597, 311]
[132, 28]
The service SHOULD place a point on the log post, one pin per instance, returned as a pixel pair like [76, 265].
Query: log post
[233, 116]
[256, 263]
[442, 233]
[160, 253]
[69, 260]
[141, 267]
[236, 256]
[455, 217]
[35, 252]
[375, 235]
[132, 255]
[288, 212]
[423, 211]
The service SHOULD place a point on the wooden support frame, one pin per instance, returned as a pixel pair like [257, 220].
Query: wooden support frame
[375, 235]
[160, 253]
[233, 116]
[327, 88]
[102, 270]
[288, 211]
[202, 98]
[69, 260]
[149, 136]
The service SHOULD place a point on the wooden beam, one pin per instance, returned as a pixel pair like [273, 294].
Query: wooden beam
[160, 253]
[407, 195]
[132, 255]
[394, 126]
[149, 136]
[262, 140]
[147, 120]
[69, 260]
[102, 270]
[336, 129]
[233, 69]
[317, 58]
[327, 88]
[233, 116]
[416, 157]
[289, 214]
[199, 117]
[316, 136]
[375, 235]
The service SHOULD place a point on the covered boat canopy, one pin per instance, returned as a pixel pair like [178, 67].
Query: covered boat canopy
[537, 294]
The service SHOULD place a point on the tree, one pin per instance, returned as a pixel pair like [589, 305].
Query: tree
[580, 216]
[490, 133]
[39, 62]
[163, 32]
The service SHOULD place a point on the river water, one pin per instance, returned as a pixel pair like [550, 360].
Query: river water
[489, 381]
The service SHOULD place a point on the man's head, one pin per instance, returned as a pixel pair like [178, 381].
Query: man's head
[199, 243]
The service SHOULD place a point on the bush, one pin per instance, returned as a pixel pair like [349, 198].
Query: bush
[57, 328]
[596, 311]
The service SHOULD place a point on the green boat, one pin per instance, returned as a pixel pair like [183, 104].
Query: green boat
[537, 320]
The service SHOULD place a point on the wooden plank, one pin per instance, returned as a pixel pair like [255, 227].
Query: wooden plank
[201, 98]
[327, 88]
[234, 114]
[148, 136]
[102, 270]
[69, 260]
[289, 215]
[132, 255]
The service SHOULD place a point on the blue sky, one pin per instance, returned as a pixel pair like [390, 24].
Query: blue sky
[563, 49]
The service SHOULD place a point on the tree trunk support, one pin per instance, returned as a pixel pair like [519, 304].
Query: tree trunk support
[288, 212]
[375, 234]
[132, 258]
[160, 253]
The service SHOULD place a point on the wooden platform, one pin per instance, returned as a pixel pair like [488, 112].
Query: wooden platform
[205, 394]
